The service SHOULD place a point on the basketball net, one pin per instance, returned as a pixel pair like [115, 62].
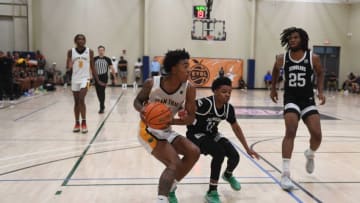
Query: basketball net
[210, 39]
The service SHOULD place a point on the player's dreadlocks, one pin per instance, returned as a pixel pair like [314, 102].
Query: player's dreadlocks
[285, 35]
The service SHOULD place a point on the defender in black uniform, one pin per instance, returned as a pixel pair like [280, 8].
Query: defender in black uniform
[299, 65]
[204, 133]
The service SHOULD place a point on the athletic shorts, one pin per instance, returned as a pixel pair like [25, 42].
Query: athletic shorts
[149, 137]
[76, 86]
[137, 73]
[123, 74]
[304, 107]
[203, 139]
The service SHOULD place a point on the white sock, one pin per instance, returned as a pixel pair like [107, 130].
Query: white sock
[173, 187]
[310, 152]
[286, 165]
[162, 199]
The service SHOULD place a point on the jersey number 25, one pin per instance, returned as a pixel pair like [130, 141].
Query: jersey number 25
[297, 79]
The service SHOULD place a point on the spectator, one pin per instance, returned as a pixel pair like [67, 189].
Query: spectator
[347, 83]
[242, 84]
[154, 67]
[137, 71]
[267, 80]
[355, 85]
[6, 64]
[221, 72]
[41, 62]
[122, 65]
[114, 63]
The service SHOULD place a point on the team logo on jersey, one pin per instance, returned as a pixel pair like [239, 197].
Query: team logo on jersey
[199, 74]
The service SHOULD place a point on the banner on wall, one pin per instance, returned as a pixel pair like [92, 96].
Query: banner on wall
[204, 70]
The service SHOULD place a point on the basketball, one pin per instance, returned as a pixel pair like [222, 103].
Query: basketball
[157, 115]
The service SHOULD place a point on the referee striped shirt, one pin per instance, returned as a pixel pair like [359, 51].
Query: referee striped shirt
[102, 64]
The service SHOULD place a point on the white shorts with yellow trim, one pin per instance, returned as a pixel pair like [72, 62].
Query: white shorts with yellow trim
[78, 85]
[148, 137]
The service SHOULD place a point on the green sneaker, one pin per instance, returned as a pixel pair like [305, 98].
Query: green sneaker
[172, 197]
[212, 197]
[235, 185]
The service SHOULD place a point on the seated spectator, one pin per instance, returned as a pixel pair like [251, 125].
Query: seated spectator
[355, 85]
[30, 62]
[347, 83]
[40, 60]
[242, 84]
[267, 80]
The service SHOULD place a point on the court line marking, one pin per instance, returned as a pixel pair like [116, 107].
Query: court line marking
[37, 110]
[63, 159]
[72, 171]
[141, 184]
[115, 179]
[295, 197]
[99, 144]
[26, 99]
[74, 151]
[278, 170]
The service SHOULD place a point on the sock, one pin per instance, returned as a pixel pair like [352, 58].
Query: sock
[162, 199]
[174, 186]
[227, 174]
[212, 186]
[286, 165]
[310, 152]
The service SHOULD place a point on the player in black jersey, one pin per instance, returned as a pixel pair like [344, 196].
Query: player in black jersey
[204, 133]
[299, 65]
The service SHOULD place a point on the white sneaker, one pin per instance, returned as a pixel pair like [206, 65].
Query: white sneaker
[286, 183]
[1, 104]
[309, 162]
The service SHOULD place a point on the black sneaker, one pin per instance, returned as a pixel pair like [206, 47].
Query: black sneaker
[101, 111]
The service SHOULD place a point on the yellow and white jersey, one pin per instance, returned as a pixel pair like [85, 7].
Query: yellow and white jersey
[173, 100]
[81, 65]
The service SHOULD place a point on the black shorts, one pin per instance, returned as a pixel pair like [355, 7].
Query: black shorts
[204, 141]
[304, 107]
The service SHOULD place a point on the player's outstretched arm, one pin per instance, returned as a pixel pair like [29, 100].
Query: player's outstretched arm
[239, 134]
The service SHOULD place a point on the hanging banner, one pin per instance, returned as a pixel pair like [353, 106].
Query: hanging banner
[204, 70]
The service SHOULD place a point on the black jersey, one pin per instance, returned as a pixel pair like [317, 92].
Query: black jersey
[298, 76]
[208, 117]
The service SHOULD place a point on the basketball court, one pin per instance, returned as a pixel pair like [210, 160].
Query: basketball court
[42, 160]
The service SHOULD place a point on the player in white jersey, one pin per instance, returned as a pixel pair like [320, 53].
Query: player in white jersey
[174, 90]
[81, 61]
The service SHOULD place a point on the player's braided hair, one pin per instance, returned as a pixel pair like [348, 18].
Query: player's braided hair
[285, 35]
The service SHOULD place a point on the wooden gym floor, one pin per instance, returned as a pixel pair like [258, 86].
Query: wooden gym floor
[41, 160]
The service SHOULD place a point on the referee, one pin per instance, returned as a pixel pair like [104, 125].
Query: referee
[102, 65]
